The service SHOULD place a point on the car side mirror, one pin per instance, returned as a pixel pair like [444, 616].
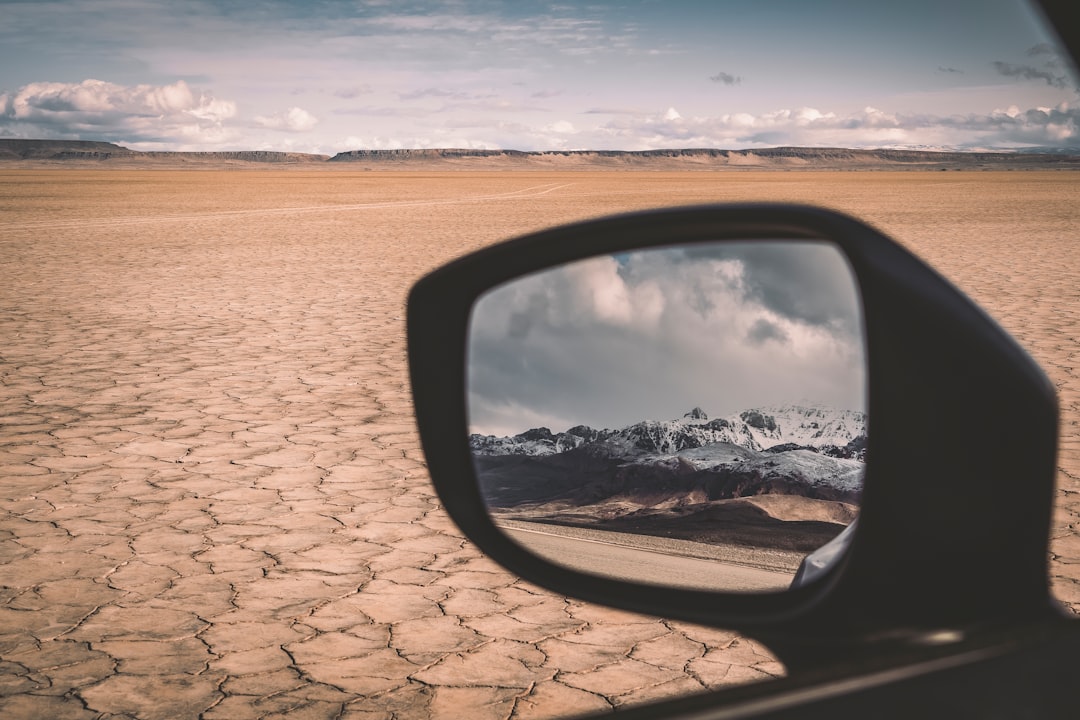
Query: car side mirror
[555, 376]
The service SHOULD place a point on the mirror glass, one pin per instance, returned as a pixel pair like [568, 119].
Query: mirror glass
[690, 416]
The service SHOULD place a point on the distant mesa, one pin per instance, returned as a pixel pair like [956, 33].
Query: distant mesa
[73, 151]
[65, 152]
[779, 158]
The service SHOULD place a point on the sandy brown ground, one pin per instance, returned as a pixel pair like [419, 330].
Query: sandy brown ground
[212, 499]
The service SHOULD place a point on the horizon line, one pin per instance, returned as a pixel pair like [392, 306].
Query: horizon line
[1034, 150]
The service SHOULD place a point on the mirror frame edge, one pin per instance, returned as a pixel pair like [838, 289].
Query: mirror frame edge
[853, 603]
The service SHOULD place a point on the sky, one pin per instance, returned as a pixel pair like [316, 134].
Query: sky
[327, 76]
[650, 335]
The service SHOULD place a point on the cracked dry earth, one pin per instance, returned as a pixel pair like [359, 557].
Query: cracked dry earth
[212, 499]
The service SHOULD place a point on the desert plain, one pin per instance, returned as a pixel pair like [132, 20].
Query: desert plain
[213, 501]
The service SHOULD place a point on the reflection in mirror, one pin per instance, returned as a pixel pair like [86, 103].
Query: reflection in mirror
[687, 416]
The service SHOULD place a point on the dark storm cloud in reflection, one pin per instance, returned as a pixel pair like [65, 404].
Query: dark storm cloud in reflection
[762, 331]
[652, 334]
[797, 281]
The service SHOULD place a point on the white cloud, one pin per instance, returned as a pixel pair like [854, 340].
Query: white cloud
[356, 142]
[99, 110]
[294, 119]
[1008, 128]
[382, 142]
[1037, 126]
[561, 127]
[869, 127]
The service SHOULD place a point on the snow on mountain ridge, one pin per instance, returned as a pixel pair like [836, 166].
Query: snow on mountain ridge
[810, 426]
[755, 429]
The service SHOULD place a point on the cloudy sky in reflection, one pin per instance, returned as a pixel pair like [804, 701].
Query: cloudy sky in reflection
[650, 335]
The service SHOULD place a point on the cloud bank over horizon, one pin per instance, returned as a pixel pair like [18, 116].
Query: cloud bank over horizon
[179, 117]
[95, 109]
[533, 76]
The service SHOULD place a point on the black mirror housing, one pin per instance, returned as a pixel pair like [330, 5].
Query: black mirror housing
[955, 515]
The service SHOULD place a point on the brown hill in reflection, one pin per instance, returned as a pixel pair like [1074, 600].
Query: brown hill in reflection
[794, 499]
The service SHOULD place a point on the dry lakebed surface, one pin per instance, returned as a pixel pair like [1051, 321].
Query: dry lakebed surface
[213, 502]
